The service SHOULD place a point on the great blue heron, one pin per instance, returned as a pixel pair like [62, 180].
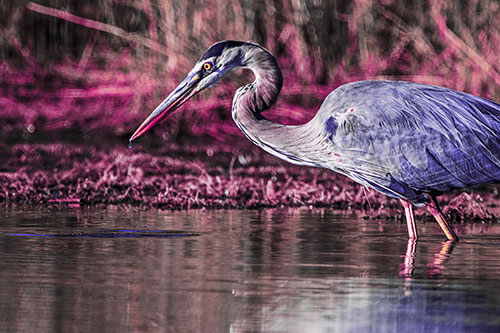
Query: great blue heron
[407, 140]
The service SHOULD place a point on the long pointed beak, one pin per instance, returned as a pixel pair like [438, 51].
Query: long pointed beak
[182, 93]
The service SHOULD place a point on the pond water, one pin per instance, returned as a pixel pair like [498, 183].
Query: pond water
[288, 270]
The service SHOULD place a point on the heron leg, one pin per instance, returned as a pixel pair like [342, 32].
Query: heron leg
[433, 208]
[410, 219]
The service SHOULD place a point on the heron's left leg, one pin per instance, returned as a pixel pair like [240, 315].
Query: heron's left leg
[410, 219]
[433, 208]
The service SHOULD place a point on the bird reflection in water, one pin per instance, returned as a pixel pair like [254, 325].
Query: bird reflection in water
[435, 267]
[440, 258]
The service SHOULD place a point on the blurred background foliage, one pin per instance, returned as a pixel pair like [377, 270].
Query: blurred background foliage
[96, 67]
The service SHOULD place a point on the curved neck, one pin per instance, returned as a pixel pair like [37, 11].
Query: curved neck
[291, 143]
[261, 94]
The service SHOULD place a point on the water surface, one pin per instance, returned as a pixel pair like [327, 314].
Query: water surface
[289, 270]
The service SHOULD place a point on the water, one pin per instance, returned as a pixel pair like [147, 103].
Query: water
[215, 271]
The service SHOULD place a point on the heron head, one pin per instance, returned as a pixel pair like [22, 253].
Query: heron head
[219, 59]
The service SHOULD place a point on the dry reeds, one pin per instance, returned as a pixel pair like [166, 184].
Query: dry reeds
[68, 64]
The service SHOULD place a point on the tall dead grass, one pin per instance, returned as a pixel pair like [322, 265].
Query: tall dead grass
[102, 67]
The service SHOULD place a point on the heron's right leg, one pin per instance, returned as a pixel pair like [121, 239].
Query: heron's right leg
[410, 219]
[433, 208]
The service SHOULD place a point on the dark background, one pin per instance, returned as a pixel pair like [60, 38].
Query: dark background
[103, 65]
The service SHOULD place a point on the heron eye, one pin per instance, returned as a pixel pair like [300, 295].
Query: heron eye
[207, 66]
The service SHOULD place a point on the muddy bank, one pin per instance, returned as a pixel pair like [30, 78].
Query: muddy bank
[184, 176]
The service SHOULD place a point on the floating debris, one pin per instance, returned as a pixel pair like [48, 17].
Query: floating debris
[110, 233]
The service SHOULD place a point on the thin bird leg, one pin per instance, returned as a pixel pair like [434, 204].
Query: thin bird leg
[433, 208]
[410, 219]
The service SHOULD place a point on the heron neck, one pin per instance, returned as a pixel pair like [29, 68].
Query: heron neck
[291, 143]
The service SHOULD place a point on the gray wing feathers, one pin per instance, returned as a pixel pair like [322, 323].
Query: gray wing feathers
[411, 137]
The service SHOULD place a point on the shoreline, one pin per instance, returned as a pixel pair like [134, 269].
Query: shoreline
[180, 176]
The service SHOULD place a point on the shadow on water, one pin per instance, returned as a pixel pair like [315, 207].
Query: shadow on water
[290, 270]
[111, 233]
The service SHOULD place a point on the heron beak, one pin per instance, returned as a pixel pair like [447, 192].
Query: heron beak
[183, 92]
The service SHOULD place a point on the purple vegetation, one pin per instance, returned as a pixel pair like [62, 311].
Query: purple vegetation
[192, 176]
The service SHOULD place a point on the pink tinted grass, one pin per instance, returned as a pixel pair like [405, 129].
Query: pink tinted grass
[212, 176]
[121, 74]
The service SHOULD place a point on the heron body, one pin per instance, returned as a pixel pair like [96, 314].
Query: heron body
[406, 140]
